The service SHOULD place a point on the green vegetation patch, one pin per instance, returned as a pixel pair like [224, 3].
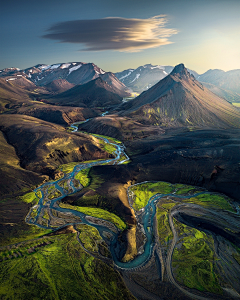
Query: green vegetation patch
[92, 240]
[164, 229]
[211, 200]
[60, 270]
[111, 139]
[193, 260]
[31, 197]
[68, 168]
[143, 192]
[183, 189]
[110, 148]
[55, 193]
[98, 213]
[26, 232]
[89, 237]
[83, 177]
[236, 104]
[46, 215]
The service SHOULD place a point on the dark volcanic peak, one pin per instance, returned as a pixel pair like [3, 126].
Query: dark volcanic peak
[180, 100]
[96, 93]
[179, 69]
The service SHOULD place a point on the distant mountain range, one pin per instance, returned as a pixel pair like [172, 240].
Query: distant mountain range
[223, 84]
[60, 77]
[226, 80]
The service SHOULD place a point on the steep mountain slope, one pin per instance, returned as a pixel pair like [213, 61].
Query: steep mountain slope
[227, 80]
[222, 93]
[180, 100]
[96, 93]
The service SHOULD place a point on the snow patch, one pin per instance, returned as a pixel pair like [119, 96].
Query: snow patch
[130, 72]
[165, 72]
[44, 67]
[158, 67]
[55, 66]
[137, 76]
[64, 66]
[11, 79]
[74, 69]
[74, 64]
[19, 75]
[102, 72]
[29, 75]
[30, 71]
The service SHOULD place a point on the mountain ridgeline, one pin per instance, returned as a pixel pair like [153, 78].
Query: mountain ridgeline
[180, 100]
[96, 93]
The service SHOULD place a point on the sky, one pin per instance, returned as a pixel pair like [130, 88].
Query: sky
[118, 35]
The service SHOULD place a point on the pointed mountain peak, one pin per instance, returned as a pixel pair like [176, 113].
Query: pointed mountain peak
[180, 70]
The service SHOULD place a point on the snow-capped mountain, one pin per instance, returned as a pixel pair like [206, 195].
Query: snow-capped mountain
[143, 77]
[74, 73]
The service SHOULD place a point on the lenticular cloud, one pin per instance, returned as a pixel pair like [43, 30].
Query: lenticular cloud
[113, 33]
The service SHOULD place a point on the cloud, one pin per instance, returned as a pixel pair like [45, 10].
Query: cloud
[113, 33]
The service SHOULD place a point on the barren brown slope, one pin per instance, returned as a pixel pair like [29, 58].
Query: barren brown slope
[59, 86]
[180, 100]
[13, 178]
[42, 146]
[122, 128]
[96, 93]
[119, 87]
[63, 115]
[11, 95]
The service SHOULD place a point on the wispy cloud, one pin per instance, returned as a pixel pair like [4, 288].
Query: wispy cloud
[113, 33]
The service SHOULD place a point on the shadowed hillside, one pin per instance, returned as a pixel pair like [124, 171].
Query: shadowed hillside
[43, 146]
[63, 115]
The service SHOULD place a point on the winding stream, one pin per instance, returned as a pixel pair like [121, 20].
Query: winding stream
[108, 231]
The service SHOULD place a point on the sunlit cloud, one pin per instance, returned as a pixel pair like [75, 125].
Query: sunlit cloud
[119, 34]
